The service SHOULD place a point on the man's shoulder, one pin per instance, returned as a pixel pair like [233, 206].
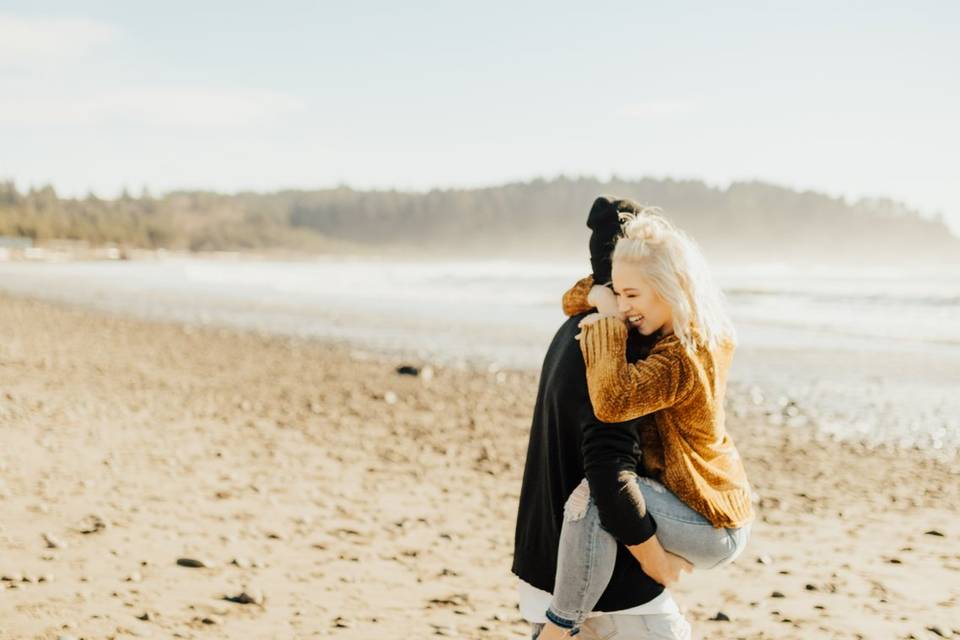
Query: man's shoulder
[564, 340]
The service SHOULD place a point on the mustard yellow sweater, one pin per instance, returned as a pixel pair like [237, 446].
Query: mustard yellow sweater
[691, 453]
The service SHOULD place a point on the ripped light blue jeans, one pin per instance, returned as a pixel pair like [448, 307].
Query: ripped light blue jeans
[588, 552]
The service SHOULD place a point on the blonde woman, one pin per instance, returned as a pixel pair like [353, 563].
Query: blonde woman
[697, 491]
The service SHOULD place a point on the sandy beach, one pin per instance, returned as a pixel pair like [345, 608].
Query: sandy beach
[318, 493]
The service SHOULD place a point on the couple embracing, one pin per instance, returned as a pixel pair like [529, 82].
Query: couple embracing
[631, 477]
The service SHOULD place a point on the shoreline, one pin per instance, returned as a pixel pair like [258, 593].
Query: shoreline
[758, 384]
[360, 501]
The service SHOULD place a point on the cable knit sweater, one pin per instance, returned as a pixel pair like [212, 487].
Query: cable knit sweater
[693, 455]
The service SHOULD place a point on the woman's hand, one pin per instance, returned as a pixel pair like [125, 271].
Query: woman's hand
[593, 318]
[604, 300]
[658, 563]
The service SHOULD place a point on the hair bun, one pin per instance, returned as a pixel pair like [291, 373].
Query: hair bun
[646, 226]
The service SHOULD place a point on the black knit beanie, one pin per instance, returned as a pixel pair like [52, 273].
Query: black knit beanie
[604, 221]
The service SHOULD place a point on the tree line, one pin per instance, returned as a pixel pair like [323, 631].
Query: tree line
[539, 217]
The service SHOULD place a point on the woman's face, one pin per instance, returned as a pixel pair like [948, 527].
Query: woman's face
[639, 302]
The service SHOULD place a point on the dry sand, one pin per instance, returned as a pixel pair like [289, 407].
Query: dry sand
[348, 501]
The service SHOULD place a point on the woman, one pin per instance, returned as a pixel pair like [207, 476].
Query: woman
[697, 491]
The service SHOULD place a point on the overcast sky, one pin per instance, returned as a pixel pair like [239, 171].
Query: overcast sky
[846, 100]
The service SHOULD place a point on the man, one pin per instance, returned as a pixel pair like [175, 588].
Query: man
[568, 443]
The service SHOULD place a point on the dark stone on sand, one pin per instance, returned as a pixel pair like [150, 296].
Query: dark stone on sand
[452, 600]
[249, 596]
[145, 616]
[194, 563]
[408, 370]
[811, 587]
[777, 594]
[936, 631]
[443, 630]
[720, 617]
[53, 542]
[934, 532]
[92, 524]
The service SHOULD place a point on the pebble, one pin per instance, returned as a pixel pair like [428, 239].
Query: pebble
[212, 619]
[720, 617]
[92, 524]
[777, 594]
[195, 563]
[134, 577]
[53, 541]
[243, 563]
[247, 596]
[764, 560]
[443, 630]
[390, 397]
[934, 532]
[408, 370]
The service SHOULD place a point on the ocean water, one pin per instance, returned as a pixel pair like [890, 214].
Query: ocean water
[868, 353]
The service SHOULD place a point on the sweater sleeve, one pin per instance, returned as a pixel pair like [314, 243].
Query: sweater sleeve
[575, 299]
[620, 391]
[609, 464]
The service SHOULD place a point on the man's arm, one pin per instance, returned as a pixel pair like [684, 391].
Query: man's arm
[610, 466]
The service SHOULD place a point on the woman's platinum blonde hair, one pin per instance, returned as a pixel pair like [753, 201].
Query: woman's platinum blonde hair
[676, 268]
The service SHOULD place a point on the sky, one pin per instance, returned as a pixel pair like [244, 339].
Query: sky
[858, 100]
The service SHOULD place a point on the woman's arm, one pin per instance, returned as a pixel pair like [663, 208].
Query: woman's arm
[575, 299]
[620, 391]
[586, 296]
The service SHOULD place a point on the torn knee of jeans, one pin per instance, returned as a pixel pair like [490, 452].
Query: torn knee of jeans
[578, 502]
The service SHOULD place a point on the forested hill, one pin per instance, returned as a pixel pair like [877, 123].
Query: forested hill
[746, 221]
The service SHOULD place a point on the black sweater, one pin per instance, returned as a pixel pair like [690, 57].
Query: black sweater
[568, 443]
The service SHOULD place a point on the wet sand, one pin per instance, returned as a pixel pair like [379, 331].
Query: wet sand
[348, 501]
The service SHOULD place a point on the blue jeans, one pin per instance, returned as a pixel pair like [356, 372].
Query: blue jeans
[588, 552]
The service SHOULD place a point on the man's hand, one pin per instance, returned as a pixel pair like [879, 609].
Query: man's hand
[604, 300]
[658, 563]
